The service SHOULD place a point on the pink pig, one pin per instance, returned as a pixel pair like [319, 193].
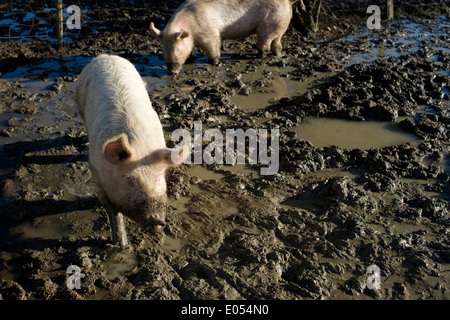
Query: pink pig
[127, 151]
[204, 23]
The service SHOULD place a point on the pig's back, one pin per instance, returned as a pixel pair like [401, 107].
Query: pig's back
[232, 18]
[112, 99]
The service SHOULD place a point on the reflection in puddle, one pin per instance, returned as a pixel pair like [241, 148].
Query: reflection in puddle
[325, 132]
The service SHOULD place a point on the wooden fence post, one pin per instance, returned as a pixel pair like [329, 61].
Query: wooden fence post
[60, 22]
[390, 10]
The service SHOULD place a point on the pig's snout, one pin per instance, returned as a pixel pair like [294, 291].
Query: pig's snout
[174, 68]
[152, 214]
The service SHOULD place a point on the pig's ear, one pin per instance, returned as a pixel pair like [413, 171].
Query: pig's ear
[175, 156]
[155, 33]
[182, 34]
[117, 150]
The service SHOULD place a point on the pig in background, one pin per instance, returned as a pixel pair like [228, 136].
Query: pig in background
[127, 151]
[204, 23]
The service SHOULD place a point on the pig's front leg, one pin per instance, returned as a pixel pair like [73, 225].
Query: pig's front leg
[118, 231]
[211, 45]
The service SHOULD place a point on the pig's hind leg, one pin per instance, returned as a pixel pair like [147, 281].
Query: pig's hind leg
[276, 46]
[269, 34]
[264, 41]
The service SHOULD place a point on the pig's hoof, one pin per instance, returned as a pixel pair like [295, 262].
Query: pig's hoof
[110, 247]
[214, 62]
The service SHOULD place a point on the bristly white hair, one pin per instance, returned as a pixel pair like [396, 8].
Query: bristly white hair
[111, 82]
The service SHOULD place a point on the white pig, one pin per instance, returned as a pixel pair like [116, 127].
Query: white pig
[204, 23]
[127, 151]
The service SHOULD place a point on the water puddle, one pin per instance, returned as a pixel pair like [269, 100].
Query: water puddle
[351, 173]
[405, 228]
[53, 115]
[325, 132]
[230, 209]
[204, 173]
[307, 201]
[172, 244]
[377, 227]
[423, 183]
[180, 203]
[54, 226]
[39, 228]
[120, 263]
[152, 69]
[400, 227]
[21, 25]
[407, 37]
[267, 84]
[238, 168]
[8, 160]
[30, 76]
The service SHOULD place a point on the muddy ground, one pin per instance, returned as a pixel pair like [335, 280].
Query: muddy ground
[310, 231]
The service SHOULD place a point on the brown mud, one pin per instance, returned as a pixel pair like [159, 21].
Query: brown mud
[336, 206]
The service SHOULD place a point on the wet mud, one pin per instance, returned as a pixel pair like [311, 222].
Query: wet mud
[363, 173]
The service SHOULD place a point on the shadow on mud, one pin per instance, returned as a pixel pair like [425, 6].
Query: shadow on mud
[26, 153]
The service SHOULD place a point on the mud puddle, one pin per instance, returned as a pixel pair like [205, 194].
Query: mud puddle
[22, 25]
[268, 84]
[204, 173]
[172, 244]
[406, 228]
[119, 264]
[405, 37]
[243, 169]
[51, 227]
